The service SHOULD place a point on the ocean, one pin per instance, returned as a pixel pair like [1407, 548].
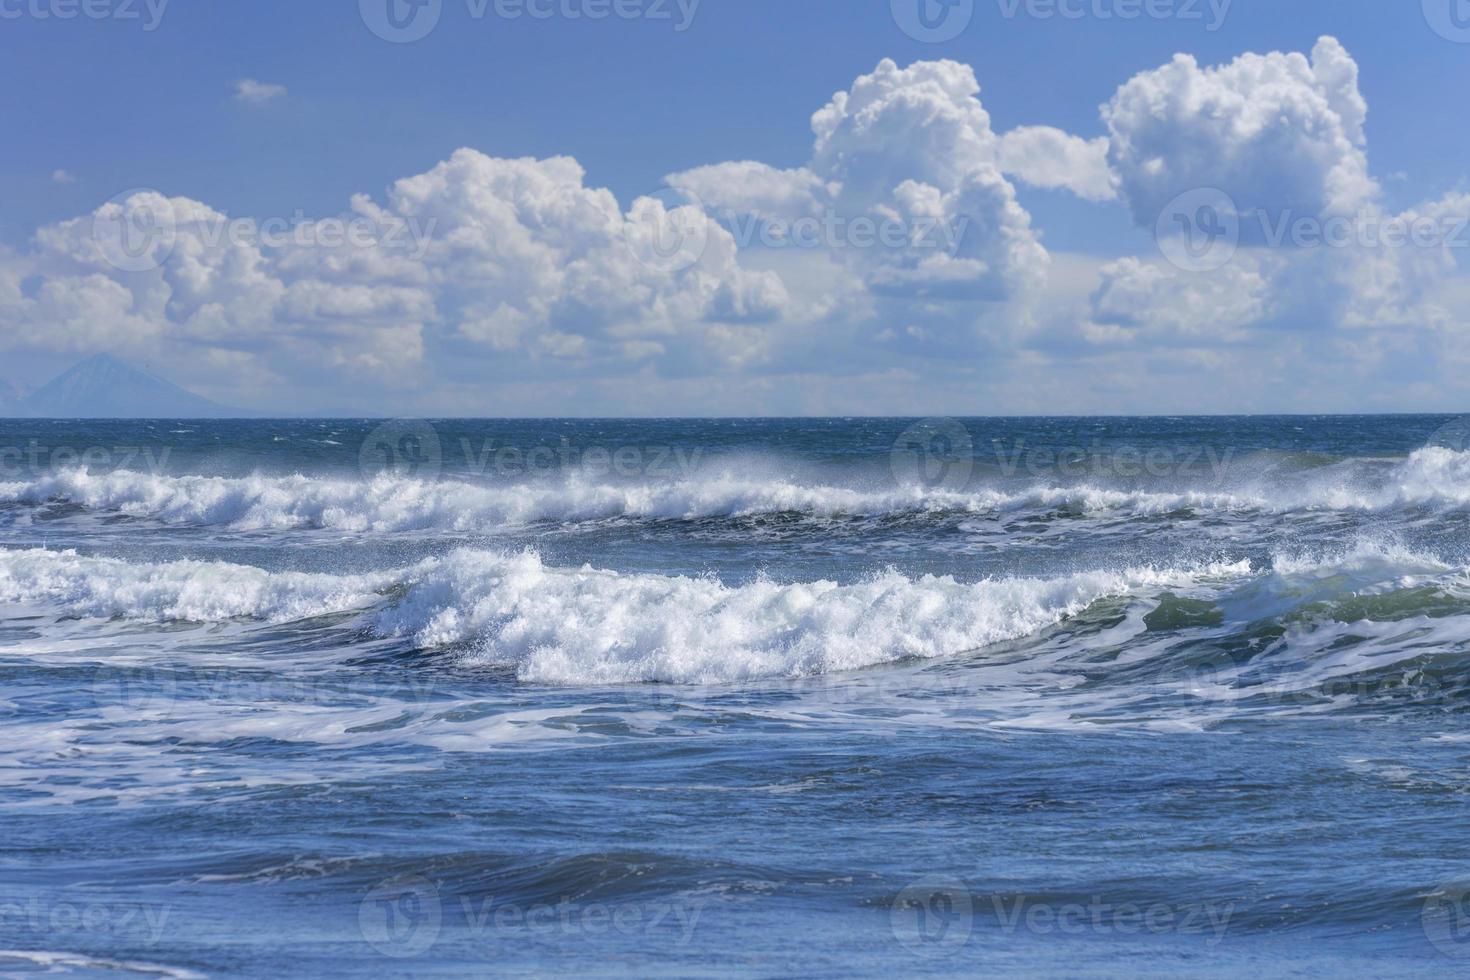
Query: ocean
[1037, 697]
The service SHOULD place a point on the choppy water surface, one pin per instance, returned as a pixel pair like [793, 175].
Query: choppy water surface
[1066, 697]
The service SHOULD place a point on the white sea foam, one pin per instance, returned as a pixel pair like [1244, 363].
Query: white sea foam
[1433, 477]
[51, 961]
[1366, 559]
[584, 626]
[395, 504]
[193, 591]
[587, 626]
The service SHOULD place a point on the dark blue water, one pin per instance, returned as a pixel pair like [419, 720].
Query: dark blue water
[1064, 697]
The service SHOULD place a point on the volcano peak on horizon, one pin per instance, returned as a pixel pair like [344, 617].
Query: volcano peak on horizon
[105, 386]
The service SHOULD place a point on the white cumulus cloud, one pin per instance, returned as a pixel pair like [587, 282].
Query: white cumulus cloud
[1045, 157]
[1280, 132]
[896, 263]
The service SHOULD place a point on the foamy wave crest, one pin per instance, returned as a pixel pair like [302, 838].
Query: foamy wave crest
[389, 504]
[1433, 477]
[584, 626]
[394, 504]
[1365, 559]
[190, 591]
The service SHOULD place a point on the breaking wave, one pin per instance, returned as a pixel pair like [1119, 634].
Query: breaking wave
[1434, 477]
[585, 626]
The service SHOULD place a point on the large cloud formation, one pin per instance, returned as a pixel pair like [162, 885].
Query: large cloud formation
[1283, 138]
[524, 266]
[896, 264]
[1275, 131]
[908, 152]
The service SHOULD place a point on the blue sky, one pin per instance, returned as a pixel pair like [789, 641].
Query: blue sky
[96, 106]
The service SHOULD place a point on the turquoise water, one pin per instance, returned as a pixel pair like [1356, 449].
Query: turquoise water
[1064, 697]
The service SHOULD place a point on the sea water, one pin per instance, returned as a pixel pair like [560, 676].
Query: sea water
[1023, 696]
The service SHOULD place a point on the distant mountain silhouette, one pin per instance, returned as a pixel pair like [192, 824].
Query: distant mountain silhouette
[104, 387]
[10, 398]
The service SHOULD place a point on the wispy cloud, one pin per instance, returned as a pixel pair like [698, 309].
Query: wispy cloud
[63, 177]
[252, 92]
